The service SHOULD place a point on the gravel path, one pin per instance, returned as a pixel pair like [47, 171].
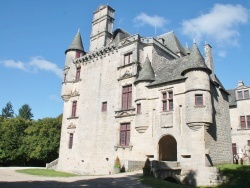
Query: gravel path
[11, 179]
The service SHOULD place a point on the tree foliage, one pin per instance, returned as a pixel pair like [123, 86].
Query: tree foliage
[25, 112]
[7, 111]
[25, 142]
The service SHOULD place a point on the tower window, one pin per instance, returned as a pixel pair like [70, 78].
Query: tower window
[198, 100]
[78, 54]
[74, 106]
[71, 137]
[104, 106]
[138, 108]
[78, 73]
[245, 122]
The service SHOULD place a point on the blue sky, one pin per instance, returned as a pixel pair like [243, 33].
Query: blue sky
[35, 34]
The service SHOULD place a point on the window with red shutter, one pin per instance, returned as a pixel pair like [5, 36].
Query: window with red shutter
[125, 134]
[78, 73]
[127, 58]
[104, 106]
[78, 54]
[74, 105]
[126, 97]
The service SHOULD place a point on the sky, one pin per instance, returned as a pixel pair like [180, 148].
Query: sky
[35, 34]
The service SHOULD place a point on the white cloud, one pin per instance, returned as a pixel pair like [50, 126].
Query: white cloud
[34, 65]
[219, 24]
[154, 21]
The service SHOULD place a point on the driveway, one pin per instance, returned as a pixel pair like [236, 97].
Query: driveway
[11, 179]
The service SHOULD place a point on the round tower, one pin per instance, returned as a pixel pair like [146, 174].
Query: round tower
[71, 70]
[145, 76]
[197, 87]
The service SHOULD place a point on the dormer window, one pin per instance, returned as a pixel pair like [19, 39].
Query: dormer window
[243, 94]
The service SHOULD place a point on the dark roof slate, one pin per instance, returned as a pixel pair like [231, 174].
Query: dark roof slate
[146, 73]
[76, 43]
[232, 97]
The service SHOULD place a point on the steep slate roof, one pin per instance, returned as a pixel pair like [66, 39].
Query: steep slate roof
[146, 73]
[232, 97]
[76, 43]
[175, 69]
[196, 61]
[118, 35]
[172, 42]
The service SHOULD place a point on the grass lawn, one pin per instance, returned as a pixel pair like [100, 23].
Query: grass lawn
[46, 172]
[238, 177]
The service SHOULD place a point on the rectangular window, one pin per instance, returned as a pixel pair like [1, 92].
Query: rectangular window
[127, 58]
[167, 101]
[240, 95]
[74, 105]
[125, 134]
[246, 94]
[126, 97]
[78, 72]
[138, 108]
[71, 136]
[198, 100]
[104, 106]
[242, 122]
[248, 121]
[248, 142]
[78, 54]
[234, 150]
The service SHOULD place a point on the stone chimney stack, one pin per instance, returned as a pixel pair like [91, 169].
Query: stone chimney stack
[240, 83]
[209, 57]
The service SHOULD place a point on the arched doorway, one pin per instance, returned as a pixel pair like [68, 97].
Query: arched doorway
[167, 148]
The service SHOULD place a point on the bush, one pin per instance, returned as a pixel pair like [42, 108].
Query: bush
[117, 163]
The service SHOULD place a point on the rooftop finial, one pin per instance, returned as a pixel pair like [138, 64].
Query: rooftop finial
[194, 41]
[78, 30]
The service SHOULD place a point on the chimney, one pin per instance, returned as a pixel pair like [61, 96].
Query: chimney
[209, 57]
[240, 83]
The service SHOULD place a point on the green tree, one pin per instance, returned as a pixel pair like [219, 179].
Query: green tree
[42, 139]
[11, 141]
[25, 112]
[7, 111]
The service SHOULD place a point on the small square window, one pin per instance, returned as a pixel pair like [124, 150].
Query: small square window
[104, 106]
[127, 58]
[78, 54]
[198, 100]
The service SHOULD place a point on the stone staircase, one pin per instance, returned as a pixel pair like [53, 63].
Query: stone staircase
[52, 165]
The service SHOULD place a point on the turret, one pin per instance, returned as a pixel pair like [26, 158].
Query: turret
[74, 51]
[197, 86]
[102, 27]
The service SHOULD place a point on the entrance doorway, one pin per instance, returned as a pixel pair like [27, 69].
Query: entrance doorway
[167, 148]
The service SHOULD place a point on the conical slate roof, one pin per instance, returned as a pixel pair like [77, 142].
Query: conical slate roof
[147, 72]
[76, 43]
[196, 61]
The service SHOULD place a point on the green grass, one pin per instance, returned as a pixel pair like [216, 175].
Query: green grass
[159, 183]
[45, 172]
[238, 176]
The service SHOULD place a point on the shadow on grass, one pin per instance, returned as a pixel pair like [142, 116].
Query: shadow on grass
[238, 176]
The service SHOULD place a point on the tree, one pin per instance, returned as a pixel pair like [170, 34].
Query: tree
[25, 112]
[7, 111]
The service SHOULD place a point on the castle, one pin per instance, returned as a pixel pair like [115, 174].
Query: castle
[137, 97]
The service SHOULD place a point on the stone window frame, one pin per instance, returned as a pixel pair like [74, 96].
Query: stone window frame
[244, 122]
[74, 109]
[128, 95]
[138, 108]
[242, 94]
[127, 134]
[167, 100]
[199, 102]
[71, 140]
[104, 106]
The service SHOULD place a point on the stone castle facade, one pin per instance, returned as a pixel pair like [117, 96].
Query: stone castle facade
[239, 105]
[142, 97]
